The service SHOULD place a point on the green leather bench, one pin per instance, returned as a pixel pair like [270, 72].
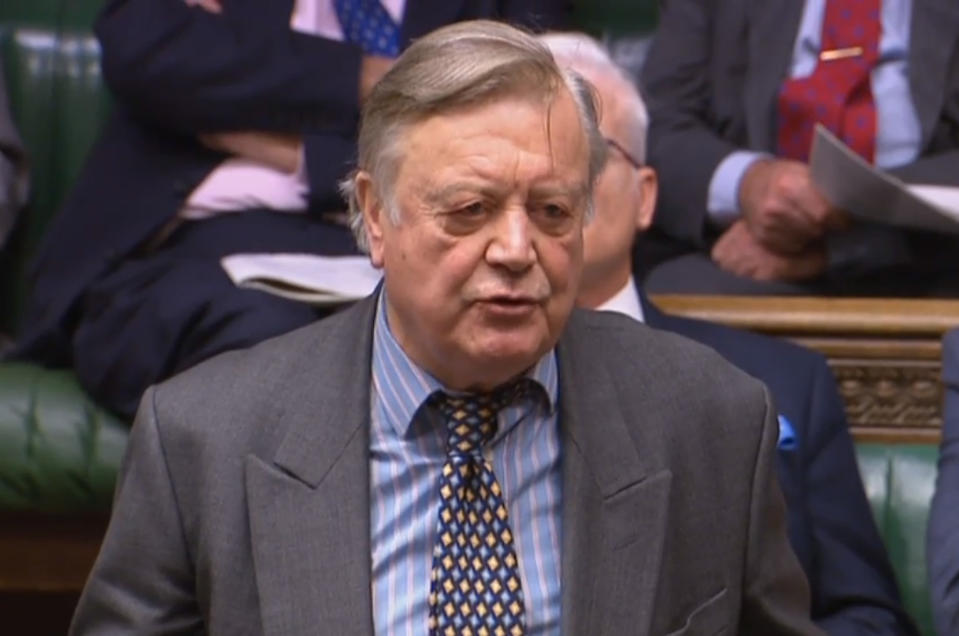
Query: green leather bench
[59, 453]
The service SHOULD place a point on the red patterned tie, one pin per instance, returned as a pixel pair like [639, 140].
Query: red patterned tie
[838, 93]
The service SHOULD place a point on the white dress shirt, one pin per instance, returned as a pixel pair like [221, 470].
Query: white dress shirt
[625, 301]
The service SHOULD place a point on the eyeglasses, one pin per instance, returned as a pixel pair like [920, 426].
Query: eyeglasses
[626, 154]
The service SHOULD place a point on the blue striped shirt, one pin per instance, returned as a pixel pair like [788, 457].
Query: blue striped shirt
[407, 451]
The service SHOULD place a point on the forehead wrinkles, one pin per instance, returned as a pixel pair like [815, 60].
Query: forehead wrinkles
[450, 146]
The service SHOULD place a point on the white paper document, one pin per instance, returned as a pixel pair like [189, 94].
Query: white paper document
[318, 280]
[852, 184]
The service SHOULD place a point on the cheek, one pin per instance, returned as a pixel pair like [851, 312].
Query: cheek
[562, 262]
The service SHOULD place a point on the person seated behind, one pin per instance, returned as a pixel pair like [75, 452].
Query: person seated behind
[831, 527]
[233, 123]
[734, 89]
[482, 459]
[942, 544]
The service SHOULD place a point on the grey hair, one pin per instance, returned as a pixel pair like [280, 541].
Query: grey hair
[453, 67]
[591, 59]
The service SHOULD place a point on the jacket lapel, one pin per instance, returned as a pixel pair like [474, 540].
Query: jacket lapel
[932, 37]
[309, 508]
[614, 509]
[773, 25]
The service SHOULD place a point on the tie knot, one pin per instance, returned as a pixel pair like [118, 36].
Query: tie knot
[471, 419]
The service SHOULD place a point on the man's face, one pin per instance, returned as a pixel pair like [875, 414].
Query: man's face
[482, 266]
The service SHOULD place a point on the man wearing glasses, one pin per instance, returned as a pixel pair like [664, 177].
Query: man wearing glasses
[830, 525]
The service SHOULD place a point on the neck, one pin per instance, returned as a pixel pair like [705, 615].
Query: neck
[599, 286]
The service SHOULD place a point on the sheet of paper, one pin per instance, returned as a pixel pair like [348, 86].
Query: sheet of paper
[851, 183]
[945, 198]
[320, 280]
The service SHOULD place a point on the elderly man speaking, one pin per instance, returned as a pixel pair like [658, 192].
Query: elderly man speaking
[462, 452]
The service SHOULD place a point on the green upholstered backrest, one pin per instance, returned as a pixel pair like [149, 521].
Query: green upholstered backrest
[899, 481]
[615, 17]
[59, 453]
[51, 66]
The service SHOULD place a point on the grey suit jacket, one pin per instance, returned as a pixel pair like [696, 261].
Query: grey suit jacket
[942, 544]
[711, 80]
[243, 503]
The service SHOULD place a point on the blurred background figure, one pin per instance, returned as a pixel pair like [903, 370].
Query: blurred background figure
[13, 176]
[233, 123]
[942, 549]
[735, 89]
[831, 527]
[13, 168]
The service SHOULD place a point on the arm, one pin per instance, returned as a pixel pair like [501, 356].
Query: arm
[191, 70]
[852, 583]
[143, 579]
[683, 147]
[939, 160]
[943, 536]
[775, 595]
[938, 168]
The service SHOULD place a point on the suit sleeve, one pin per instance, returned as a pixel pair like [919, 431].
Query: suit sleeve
[938, 163]
[943, 537]
[190, 71]
[852, 583]
[775, 594]
[682, 146]
[143, 579]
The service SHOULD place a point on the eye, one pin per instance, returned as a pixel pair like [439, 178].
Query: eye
[464, 219]
[472, 210]
[553, 217]
[553, 211]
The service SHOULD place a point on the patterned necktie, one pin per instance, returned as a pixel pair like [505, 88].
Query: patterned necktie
[838, 93]
[367, 24]
[475, 586]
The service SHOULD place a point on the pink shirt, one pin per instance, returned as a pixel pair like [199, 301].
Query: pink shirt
[241, 184]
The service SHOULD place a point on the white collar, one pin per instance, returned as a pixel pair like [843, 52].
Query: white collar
[625, 301]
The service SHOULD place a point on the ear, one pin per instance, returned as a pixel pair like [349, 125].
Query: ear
[648, 184]
[374, 215]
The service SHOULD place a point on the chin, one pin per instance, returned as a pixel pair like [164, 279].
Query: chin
[514, 353]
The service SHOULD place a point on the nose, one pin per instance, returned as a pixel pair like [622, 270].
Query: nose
[512, 245]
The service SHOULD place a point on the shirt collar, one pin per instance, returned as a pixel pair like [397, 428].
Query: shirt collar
[625, 301]
[403, 386]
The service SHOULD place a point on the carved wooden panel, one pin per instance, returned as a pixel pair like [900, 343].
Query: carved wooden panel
[888, 396]
[885, 353]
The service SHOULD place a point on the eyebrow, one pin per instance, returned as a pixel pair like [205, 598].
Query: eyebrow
[447, 192]
[545, 191]
[540, 191]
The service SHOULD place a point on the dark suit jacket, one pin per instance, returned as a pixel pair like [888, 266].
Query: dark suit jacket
[177, 71]
[831, 526]
[711, 80]
[243, 502]
[942, 549]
